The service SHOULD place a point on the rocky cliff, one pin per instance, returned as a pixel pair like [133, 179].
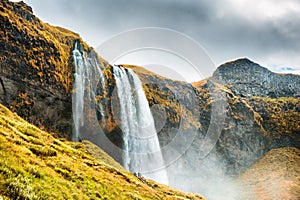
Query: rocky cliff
[254, 123]
[242, 139]
[275, 97]
[36, 68]
[247, 79]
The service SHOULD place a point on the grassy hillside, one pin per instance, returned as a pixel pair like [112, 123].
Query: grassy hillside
[274, 176]
[34, 165]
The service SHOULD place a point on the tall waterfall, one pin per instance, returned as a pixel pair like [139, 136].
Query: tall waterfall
[87, 76]
[141, 149]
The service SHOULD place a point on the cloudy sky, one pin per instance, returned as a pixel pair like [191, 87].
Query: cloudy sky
[265, 31]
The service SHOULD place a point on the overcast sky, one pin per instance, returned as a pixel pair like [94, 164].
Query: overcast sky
[265, 31]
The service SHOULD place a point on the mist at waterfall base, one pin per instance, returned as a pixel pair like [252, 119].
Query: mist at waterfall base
[208, 178]
[141, 150]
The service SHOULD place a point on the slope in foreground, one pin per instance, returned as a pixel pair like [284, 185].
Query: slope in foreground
[34, 165]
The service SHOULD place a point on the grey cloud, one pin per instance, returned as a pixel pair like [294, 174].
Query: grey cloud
[225, 38]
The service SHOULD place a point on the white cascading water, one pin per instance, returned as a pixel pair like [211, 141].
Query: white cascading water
[141, 149]
[78, 95]
[87, 73]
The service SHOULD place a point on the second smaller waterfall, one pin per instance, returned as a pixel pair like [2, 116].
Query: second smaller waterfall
[87, 76]
[141, 149]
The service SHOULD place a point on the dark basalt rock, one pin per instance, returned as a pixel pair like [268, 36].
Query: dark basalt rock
[36, 68]
[275, 97]
[24, 10]
[246, 79]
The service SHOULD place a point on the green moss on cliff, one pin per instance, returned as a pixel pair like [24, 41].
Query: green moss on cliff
[280, 116]
[35, 51]
[38, 49]
[36, 60]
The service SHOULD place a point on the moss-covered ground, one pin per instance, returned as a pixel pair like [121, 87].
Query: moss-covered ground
[34, 165]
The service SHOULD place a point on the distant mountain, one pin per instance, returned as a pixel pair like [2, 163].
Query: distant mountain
[248, 79]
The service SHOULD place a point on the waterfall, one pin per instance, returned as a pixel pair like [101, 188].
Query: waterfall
[87, 76]
[141, 149]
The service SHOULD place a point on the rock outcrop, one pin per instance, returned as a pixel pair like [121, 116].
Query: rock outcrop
[253, 125]
[186, 113]
[247, 79]
[36, 68]
[280, 119]
[275, 97]
[182, 110]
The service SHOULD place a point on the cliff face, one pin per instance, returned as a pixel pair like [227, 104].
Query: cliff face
[178, 100]
[280, 119]
[275, 97]
[182, 131]
[254, 122]
[36, 68]
[183, 115]
[242, 139]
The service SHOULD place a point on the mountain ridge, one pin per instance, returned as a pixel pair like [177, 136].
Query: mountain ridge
[247, 78]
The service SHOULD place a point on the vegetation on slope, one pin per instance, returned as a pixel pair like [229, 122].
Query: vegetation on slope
[274, 176]
[280, 118]
[34, 165]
